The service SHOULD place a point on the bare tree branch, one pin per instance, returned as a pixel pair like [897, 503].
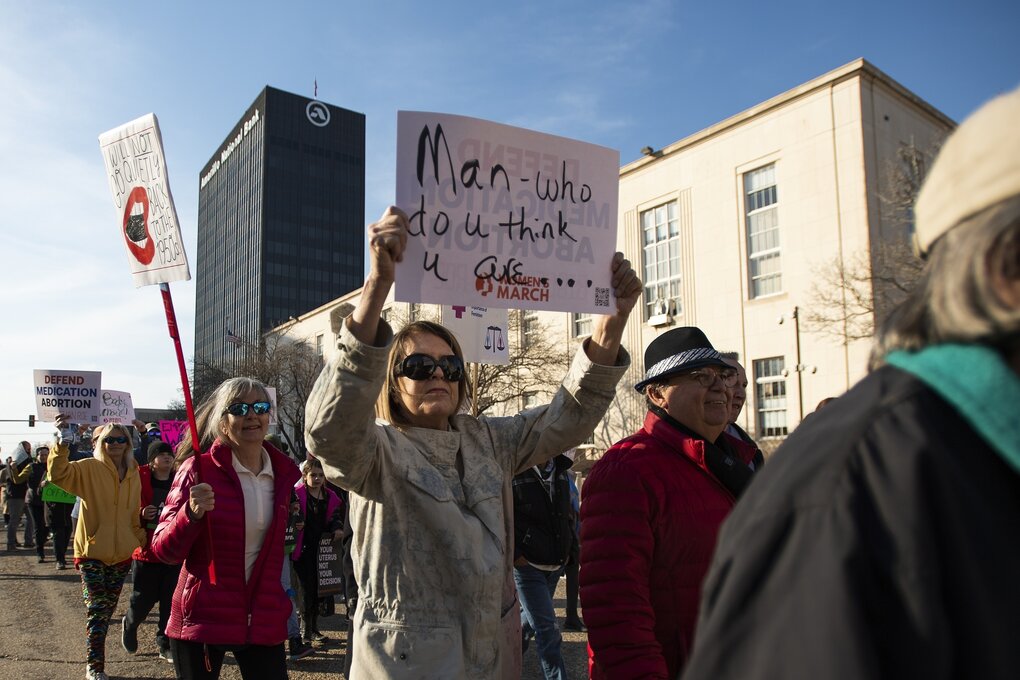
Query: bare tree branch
[851, 297]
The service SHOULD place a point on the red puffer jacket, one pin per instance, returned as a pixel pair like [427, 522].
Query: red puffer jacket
[230, 612]
[650, 514]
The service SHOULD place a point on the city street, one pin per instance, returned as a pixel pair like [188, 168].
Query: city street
[42, 620]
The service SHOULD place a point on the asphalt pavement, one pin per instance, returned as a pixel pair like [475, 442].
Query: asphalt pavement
[42, 632]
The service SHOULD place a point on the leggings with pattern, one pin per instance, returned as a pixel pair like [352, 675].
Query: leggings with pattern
[100, 588]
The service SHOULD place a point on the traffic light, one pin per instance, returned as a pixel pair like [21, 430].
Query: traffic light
[31, 421]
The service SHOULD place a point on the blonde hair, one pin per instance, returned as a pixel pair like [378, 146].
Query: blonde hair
[212, 413]
[955, 299]
[388, 406]
[100, 435]
[99, 438]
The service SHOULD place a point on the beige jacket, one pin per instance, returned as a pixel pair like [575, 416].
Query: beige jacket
[433, 548]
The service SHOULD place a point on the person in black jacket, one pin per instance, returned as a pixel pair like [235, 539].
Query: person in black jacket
[881, 539]
[543, 533]
[36, 482]
[18, 470]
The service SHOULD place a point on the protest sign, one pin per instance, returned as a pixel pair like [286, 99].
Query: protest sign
[504, 217]
[73, 393]
[331, 572]
[51, 493]
[136, 170]
[481, 332]
[171, 431]
[116, 407]
[21, 458]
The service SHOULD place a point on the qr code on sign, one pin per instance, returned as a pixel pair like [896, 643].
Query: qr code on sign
[601, 297]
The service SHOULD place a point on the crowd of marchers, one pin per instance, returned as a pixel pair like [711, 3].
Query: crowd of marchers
[879, 541]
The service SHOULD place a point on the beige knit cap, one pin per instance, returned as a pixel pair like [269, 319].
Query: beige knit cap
[979, 166]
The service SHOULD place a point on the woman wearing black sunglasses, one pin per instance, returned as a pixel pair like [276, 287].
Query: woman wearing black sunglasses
[431, 504]
[224, 519]
[108, 529]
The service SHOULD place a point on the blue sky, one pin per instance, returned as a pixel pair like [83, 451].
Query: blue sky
[619, 74]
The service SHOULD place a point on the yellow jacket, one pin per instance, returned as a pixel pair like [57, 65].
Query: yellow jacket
[108, 527]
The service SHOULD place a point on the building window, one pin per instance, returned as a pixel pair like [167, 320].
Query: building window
[580, 325]
[318, 344]
[529, 326]
[770, 397]
[763, 262]
[660, 227]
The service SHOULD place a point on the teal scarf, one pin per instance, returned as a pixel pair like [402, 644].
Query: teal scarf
[979, 384]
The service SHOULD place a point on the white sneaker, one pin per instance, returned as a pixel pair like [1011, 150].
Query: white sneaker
[95, 675]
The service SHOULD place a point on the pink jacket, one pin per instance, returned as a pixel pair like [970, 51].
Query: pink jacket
[332, 506]
[230, 612]
[650, 514]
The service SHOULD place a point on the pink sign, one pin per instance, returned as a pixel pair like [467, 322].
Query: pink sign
[173, 431]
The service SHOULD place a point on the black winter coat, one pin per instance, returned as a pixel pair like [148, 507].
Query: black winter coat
[543, 526]
[34, 480]
[881, 541]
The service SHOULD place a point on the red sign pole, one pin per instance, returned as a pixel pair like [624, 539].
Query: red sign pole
[171, 324]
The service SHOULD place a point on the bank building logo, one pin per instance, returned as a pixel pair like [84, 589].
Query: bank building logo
[318, 113]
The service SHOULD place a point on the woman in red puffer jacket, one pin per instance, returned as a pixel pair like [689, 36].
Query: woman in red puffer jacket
[229, 596]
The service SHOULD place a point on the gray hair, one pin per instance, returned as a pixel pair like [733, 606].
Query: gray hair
[212, 412]
[955, 300]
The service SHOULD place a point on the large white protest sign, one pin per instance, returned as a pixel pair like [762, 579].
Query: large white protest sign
[116, 407]
[73, 393]
[504, 217]
[136, 169]
[481, 332]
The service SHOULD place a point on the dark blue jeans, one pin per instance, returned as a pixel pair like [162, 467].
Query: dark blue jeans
[535, 590]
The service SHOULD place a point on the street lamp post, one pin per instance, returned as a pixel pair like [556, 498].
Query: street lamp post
[799, 367]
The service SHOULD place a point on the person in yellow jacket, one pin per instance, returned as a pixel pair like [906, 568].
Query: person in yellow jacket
[108, 528]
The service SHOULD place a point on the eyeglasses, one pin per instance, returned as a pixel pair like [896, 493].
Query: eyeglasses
[116, 440]
[422, 366]
[706, 377]
[241, 409]
[155, 433]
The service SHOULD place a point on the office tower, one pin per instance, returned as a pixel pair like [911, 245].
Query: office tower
[281, 213]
